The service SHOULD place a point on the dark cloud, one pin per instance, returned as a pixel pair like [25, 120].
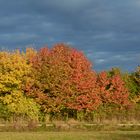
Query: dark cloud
[107, 60]
[107, 31]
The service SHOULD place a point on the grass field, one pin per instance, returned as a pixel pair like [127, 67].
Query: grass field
[103, 135]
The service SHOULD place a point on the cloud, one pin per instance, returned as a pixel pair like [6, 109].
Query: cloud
[107, 31]
[106, 60]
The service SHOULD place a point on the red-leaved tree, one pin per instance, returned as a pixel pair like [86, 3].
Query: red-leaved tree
[63, 80]
[113, 90]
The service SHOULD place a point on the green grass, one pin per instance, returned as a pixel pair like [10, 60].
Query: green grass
[98, 135]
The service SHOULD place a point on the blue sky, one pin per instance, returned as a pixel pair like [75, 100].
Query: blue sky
[107, 31]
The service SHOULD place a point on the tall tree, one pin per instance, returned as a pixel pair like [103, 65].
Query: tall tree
[65, 78]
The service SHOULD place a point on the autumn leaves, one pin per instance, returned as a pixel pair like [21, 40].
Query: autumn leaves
[56, 80]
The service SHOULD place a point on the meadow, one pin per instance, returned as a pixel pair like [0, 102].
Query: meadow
[91, 135]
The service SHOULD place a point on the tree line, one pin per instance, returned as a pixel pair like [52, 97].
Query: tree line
[61, 83]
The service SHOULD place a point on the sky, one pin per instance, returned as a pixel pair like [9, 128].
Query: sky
[107, 31]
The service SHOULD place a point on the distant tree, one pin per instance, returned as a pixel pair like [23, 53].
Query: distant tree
[113, 90]
[129, 80]
[114, 71]
[135, 81]
[137, 76]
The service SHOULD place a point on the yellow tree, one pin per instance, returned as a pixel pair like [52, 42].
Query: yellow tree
[14, 71]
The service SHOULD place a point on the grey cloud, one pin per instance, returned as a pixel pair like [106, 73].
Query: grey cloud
[107, 28]
[127, 61]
